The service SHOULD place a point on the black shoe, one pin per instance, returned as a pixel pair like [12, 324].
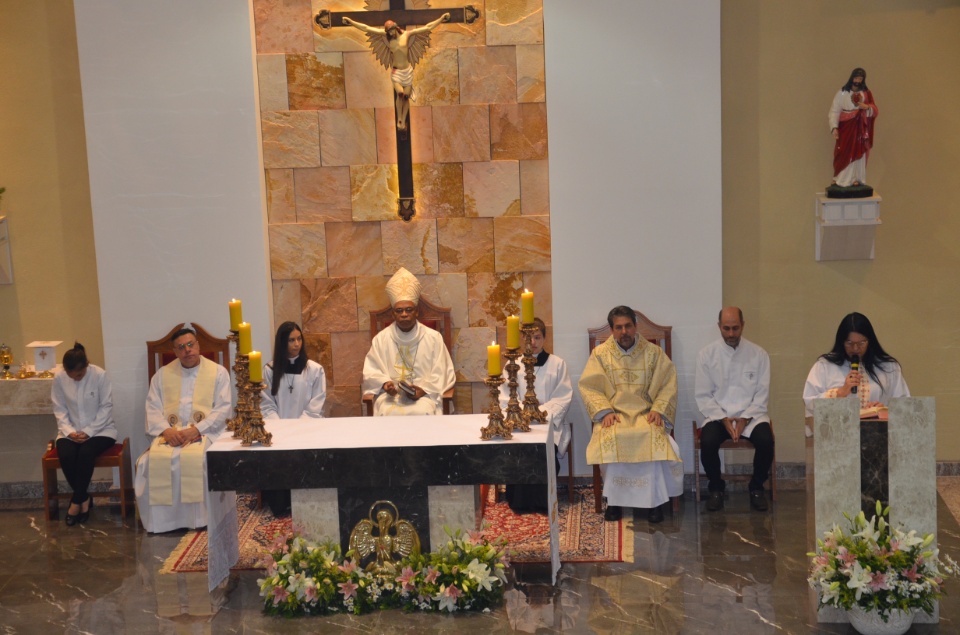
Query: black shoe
[72, 519]
[655, 515]
[715, 502]
[85, 516]
[612, 513]
[758, 500]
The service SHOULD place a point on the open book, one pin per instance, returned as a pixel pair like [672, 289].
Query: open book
[874, 412]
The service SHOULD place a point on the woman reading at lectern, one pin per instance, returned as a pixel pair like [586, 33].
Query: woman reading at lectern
[856, 366]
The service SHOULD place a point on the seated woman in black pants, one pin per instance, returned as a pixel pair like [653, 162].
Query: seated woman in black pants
[83, 405]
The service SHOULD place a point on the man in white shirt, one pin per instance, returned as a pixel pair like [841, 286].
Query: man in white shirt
[408, 367]
[732, 389]
[187, 407]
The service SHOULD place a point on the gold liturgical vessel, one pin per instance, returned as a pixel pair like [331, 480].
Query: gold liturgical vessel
[6, 359]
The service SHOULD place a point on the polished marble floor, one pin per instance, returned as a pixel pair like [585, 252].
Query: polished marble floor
[735, 571]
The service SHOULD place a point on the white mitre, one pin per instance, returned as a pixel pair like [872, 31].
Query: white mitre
[403, 287]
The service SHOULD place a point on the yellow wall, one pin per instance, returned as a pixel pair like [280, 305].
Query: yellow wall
[782, 63]
[43, 165]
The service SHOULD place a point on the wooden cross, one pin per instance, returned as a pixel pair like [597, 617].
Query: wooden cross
[406, 205]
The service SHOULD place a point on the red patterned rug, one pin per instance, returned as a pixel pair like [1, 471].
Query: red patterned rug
[584, 536]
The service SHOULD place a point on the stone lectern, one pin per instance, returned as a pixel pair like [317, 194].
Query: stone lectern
[852, 463]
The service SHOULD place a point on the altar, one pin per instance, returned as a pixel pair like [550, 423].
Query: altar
[338, 467]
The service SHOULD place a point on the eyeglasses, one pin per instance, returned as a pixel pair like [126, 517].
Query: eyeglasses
[187, 346]
[852, 344]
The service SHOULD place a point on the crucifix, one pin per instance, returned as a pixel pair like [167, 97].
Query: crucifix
[399, 50]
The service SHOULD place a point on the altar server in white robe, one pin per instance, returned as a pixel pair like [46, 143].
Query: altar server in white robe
[554, 392]
[296, 389]
[629, 388]
[187, 408]
[408, 367]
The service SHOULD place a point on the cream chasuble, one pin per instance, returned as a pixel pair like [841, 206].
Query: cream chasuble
[191, 456]
[632, 384]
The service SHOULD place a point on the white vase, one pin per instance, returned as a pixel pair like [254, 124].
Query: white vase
[870, 622]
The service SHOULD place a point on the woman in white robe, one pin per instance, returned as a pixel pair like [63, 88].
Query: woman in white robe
[296, 389]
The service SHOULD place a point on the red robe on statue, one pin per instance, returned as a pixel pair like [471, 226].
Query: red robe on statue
[856, 133]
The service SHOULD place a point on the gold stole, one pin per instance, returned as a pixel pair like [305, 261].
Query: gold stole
[191, 456]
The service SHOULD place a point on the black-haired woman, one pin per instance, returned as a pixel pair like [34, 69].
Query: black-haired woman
[83, 405]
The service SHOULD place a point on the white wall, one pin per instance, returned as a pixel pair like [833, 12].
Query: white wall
[176, 183]
[635, 194]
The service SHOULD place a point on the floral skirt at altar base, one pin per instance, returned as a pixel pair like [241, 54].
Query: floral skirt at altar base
[870, 622]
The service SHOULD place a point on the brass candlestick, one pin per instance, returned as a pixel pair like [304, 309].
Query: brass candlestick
[531, 405]
[514, 417]
[241, 370]
[252, 429]
[496, 428]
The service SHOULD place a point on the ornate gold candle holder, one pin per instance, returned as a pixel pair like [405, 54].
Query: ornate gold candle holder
[497, 427]
[241, 370]
[514, 418]
[252, 430]
[532, 415]
[6, 359]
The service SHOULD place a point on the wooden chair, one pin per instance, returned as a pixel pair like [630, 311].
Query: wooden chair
[653, 333]
[118, 456]
[436, 317]
[160, 352]
[730, 444]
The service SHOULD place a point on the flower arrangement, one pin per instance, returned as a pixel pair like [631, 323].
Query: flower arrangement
[878, 568]
[306, 578]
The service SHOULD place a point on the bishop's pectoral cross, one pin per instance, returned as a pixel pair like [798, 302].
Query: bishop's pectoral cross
[399, 50]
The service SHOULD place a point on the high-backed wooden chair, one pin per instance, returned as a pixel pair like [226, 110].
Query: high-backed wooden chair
[160, 352]
[653, 333]
[730, 444]
[430, 315]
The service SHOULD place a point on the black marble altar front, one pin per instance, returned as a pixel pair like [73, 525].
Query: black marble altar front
[874, 465]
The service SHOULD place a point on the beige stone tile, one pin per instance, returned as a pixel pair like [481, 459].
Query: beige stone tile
[461, 34]
[354, 250]
[315, 81]
[291, 139]
[410, 245]
[518, 131]
[514, 22]
[438, 188]
[522, 243]
[349, 350]
[481, 397]
[541, 283]
[367, 81]
[531, 73]
[320, 350]
[272, 80]
[491, 188]
[373, 191]
[298, 251]
[421, 131]
[348, 137]
[535, 188]
[323, 194]
[329, 305]
[470, 352]
[492, 297]
[371, 296]
[461, 133]
[286, 301]
[280, 196]
[463, 398]
[436, 78]
[343, 401]
[283, 26]
[466, 245]
[340, 38]
[488, 75]
[448, 290]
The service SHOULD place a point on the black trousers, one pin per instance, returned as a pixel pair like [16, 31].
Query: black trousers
[76, 461]
[714, 433]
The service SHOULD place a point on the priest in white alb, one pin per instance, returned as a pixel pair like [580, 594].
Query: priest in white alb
[629, 388]
[408, 367]
[187, 408]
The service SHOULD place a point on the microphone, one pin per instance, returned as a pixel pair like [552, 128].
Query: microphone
[854, 366]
